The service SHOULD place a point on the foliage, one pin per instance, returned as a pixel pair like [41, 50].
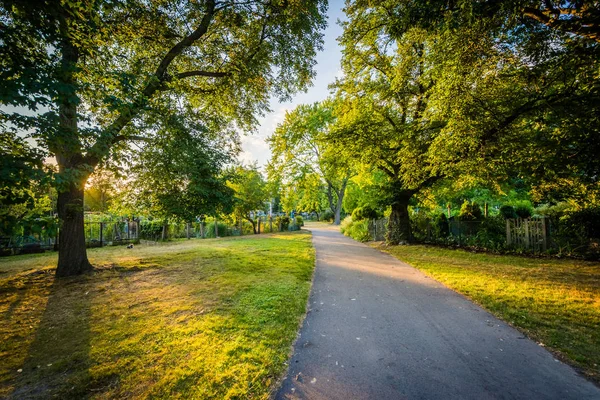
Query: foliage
[441, 226]
[508, 212]
[517, 84]
[87, 79]
[523, 210]
[303, 156]
[283, 222]
[550, 300]
[229, 307]
[365, 212]
[250, 192]
[299, 220]
[328, 216]
[357, 230]
[181, 174]
[210, 231]
[470, 211]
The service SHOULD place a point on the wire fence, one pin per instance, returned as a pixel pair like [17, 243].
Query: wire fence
[128, 231]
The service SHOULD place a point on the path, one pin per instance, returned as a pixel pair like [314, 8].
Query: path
[379, 329]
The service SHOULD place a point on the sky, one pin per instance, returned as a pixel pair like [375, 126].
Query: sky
[254, 146]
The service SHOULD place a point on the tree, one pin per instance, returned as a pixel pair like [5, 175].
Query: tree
[517, 82]
[92, 70]
[25, 193]
[312, 195]
[491, 94]
[250, 191]
[181, 173]
[385, 119]
[300, 148]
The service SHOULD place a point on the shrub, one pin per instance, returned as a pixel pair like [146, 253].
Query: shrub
[283, 221]
[508, 212]
[327, 216]
[210, 230]
[470, 212]
[299, 220]
[364, 212]
[442, 227]
[357, 230]
[523, 210]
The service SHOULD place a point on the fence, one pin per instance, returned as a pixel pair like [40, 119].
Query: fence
[527, 234]
[532, 234]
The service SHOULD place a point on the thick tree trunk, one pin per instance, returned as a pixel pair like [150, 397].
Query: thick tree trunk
[398, 231]
[72, 256]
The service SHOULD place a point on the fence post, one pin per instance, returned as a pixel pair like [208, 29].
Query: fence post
[374, 229]
[259, 225]
[271, 223]
[544, 237]
[101, 236]
[508, 241]
[527, 241]
[201, 229]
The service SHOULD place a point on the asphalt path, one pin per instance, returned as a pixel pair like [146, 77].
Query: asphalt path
[378, 328]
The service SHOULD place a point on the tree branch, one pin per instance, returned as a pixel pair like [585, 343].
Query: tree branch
[209, 74]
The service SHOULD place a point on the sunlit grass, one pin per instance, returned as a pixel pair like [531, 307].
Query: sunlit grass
[191, 319]
[556, 302]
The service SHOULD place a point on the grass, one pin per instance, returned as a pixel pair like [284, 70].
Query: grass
[555, 302]
[201, 319]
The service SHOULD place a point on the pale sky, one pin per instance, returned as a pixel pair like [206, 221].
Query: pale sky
[328, 67]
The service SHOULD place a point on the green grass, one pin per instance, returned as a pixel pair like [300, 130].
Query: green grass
[555, 302]
[201, 319]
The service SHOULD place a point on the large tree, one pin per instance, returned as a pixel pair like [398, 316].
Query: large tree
[385, 119]
[300, 148]
[518, 83]
[91, 70]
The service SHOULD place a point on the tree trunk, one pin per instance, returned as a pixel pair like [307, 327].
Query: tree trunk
[340, 199]
[398, 231]
[253, 225]
[72, 255]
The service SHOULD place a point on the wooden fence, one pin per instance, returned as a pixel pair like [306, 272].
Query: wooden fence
[528, 234]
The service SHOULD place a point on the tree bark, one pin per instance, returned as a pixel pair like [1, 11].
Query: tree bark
[72, 255]
[340, 199]
[398, 231]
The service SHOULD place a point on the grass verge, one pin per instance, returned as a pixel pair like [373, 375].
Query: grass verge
[210, 319]
[555, 302]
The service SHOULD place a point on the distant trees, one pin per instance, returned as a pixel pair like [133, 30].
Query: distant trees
[98, 73]
[250, 190]
[301, 151]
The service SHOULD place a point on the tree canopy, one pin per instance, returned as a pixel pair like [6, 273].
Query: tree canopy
[94, 74]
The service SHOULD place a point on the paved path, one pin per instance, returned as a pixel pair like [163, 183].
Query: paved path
[379, 329]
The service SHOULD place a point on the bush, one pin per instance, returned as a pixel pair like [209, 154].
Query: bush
[210, 230]
[299, 220]
[442, 227]
[523, 210]
[364, 212]
[327, 216]
[357, 230]
[470, 212]
[508, 212]
[283, 221]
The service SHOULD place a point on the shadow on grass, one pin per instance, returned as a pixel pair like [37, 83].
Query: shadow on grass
[58, 358]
